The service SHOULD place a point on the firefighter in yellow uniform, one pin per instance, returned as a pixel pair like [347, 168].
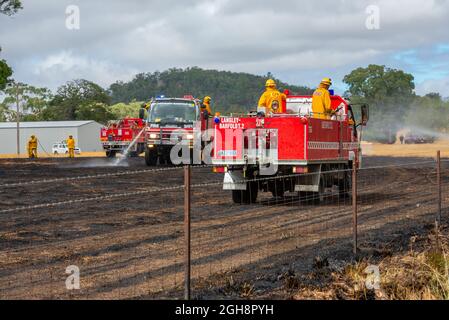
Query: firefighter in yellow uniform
[32, 147]
[205, 106]
[71, 146]
[321, 100]
[272, 99]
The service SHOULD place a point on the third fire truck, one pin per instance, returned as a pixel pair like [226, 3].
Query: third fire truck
[288, 152]
[123, 136]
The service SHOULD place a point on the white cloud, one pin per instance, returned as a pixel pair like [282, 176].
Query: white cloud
[299, 40]
[434, 85]
[65, 62]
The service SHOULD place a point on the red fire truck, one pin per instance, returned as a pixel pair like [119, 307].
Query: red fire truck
[172, 121]
[288, 152]
[123, 136]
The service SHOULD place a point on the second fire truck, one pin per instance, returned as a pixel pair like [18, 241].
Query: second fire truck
[172, 121]
[288, 152]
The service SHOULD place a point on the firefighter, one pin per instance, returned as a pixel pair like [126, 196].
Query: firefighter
[205, 106]
[32, 147]
[321, 100]
[71, 146]
[271, 100]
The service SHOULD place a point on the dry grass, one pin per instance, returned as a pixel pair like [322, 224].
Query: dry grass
[100, 154]
[418, 274]
[406, 150]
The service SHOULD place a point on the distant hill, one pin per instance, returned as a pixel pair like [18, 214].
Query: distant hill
[230, 91]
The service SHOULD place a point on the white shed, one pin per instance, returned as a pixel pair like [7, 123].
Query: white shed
[85, 133]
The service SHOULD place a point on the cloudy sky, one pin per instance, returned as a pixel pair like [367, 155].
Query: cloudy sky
[299, 41]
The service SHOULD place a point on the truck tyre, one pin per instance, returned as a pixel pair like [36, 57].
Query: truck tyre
[150, 157]
[344, 186]
[247, 196]
[165, 158]
[111, 154]
[278, 189]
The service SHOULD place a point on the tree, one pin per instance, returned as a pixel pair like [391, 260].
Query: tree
[123, 110]
[5, 113]
[74, 95]
[389, 92]
[229, 90]
[96, 111]
[10, 7]
[5, 73]
[31, 100]
[428, 112]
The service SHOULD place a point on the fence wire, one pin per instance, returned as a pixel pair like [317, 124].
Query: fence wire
[124, 230]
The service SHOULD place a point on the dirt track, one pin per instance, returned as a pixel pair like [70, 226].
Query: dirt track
[132, 247]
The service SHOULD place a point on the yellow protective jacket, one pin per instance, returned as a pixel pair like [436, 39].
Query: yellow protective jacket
[71, 143]
[32, 143]
[206, 106]
[267, 98]
[321, 103]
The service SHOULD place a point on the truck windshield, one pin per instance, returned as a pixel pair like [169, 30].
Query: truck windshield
[172, 113]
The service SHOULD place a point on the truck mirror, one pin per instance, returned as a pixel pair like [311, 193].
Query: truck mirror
[142, 113]
[365, 115]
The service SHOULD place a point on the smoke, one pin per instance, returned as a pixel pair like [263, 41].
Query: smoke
[413, 129]
[96, 163]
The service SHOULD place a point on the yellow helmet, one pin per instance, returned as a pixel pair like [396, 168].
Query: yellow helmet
[207, 99]
[270, 83]
[326, 81]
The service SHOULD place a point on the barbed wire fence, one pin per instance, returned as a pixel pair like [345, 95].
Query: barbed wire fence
[126, 230]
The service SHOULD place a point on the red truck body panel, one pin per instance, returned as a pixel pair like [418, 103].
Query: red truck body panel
[121, 134]
[301, 139]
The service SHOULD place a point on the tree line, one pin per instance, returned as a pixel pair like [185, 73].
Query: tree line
[82, 99]
[389, 92]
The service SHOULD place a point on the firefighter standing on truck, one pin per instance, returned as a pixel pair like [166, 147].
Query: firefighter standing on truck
[271, 100]
[321, 100]
[71, 146]
[205, 106]
[32, 147]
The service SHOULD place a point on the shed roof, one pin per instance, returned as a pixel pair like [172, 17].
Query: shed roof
[45, 124]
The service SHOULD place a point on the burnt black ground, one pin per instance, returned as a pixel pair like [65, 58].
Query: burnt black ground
[132, 247]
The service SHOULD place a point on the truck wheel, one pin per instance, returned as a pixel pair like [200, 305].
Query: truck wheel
[344, 186]
[278, 189]
[166, 158]
[111, 154]
[150, 157]
[237, 196]
[247, 196]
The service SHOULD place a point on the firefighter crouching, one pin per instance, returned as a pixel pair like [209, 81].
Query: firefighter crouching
[271, 100]
[71, 146]
[321, 100]
[32, 147]
[205, 106]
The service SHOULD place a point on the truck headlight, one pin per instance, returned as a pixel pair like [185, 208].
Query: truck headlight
[153, 136]
[189, 137]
